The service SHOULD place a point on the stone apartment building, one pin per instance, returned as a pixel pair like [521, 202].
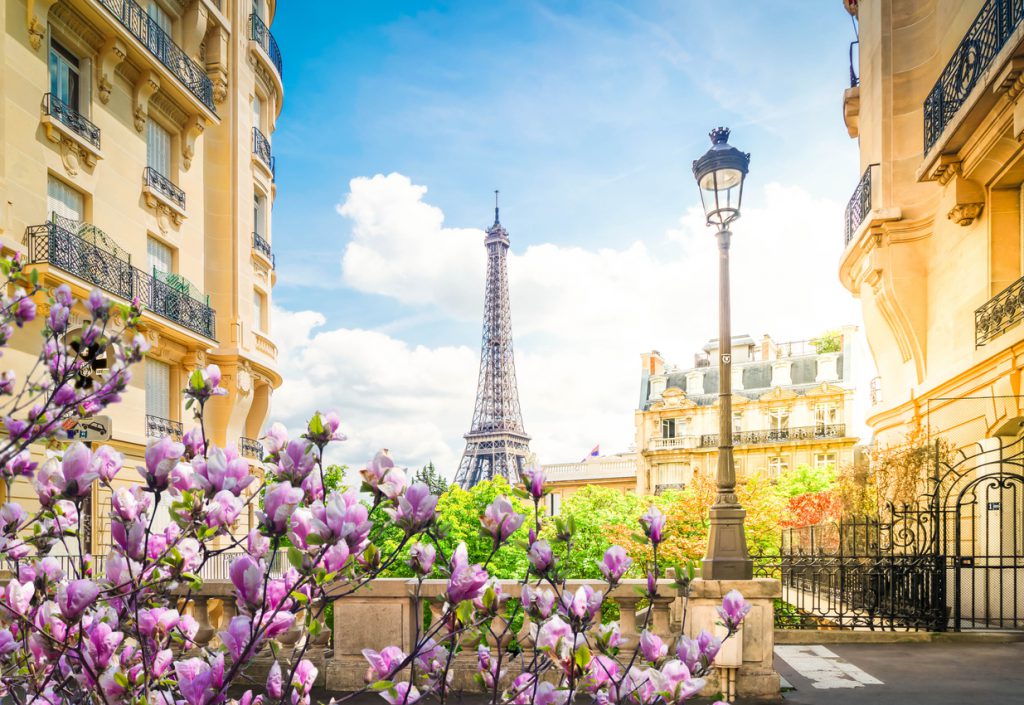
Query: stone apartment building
[135, 156]
[792, 405]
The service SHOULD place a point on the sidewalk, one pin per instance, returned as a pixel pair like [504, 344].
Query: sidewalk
[902, 674]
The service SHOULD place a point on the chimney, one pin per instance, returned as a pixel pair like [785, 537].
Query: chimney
[652, 363]
[766, 347]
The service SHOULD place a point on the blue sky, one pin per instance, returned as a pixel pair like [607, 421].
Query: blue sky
[587, 116]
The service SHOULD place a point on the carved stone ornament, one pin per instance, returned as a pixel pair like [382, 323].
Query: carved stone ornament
[963, 214]
[244, 384]
[35, 19]
[111, 55]
[145, 87]
[192, 131]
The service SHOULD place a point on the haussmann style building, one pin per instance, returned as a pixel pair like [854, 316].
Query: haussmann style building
[135, 156]
[793, 404]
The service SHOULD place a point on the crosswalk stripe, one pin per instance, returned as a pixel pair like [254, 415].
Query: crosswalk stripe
[824, 668]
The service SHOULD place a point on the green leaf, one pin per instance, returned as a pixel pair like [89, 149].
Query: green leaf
[582, 657]
[382, 685]
[121, 679]
[316, 424]
[295, 557]
[300, 597]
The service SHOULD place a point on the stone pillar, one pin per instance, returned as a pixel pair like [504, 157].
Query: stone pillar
[202, 616]
[751, 650]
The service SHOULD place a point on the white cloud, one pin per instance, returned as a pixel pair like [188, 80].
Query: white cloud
[581, 318]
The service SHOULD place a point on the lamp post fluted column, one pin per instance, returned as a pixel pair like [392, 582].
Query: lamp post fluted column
[720, 174]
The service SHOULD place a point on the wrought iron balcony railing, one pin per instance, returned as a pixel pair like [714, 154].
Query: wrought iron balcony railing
[260, 33]
[157, 427]
[137, 21]
[71, 118]
[781, 435]
[999, 313]
[263, 247]
[859, 204]
[250, 448]
[86, 252]
[261, 148]
[994, 24]
[157, 181]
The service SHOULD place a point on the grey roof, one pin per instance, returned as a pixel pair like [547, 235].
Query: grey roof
[757, 377]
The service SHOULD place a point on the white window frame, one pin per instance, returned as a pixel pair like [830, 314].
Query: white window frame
[159, 148]
[778, 418]
[823, 460]
[60, 58]
[777, 465]
[64, 200]
[259, 307]
[826, 414]
[159, 256]
[259, 215]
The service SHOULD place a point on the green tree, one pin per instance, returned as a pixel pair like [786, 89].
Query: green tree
[804, 479]
[430, 477]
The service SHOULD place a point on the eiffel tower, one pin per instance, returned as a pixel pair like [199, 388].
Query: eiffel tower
[496, 443]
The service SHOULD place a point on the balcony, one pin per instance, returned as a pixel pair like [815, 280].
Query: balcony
[260, 33]
[983, 41]
[263, 247]
[157, 427]
[85, 251]
[999, 314]
[261, 150]
[141, 26]
[677, 443]
[782, 435]
[859, 205]
[250, 448]
[163, 188]
[590, 470]
[54, 107]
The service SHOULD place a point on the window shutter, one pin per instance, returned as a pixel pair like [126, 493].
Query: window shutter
[161, 18]
[257, 113]
[257, 308]
[64, 200]
[158, 389]
[158, 148]
[160, 257]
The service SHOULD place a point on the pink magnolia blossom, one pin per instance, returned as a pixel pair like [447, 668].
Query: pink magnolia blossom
[541, 557]
[275, 440]
[297, 461]
[653, 524]
[415, 510]
[552, 633]
[247, 577]
[533, 480]
[674, 682]
[279, 502]
[651, 646]
[615, 564]
[275, 681]
[402, 694]
[18, 596]
[500, 520]
[162, 455]
[107, 462]
[383, 664]
[76, 596]
[222, 470]
[466, 581]
[734, 608]
[421, 558]
[538, 602]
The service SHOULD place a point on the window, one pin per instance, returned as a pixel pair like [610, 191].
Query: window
[826, 415]
[737, 422]
[257, 113]
[159, 17]
[778, 419]
[554, 504]
[65, 201]
[673, 428]
[776, 466]
[160, 257]
[158, 389]
[824, 460]
[158, 148]
[259, 311]
[65, 80]
[259, 215]
[257, 8]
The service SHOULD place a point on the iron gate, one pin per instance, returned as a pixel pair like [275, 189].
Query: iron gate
[952, 560]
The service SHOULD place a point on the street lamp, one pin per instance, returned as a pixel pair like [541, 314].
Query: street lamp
[720, 174]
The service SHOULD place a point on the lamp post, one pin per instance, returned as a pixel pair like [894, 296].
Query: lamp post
[720, 174]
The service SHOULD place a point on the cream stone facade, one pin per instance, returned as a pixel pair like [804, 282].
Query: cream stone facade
[792, 405]
[135, 157]
[565, 479]
[934, 231]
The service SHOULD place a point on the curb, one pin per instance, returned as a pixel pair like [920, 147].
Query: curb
[837, 636]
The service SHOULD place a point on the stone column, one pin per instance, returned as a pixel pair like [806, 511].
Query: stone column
[751, 650]
[202, 615]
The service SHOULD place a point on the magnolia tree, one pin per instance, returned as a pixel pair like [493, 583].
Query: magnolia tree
[73, 632]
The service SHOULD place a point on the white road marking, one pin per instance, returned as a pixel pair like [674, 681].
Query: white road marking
[824, 668]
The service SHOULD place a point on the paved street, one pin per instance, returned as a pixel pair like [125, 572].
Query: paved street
[902, 674]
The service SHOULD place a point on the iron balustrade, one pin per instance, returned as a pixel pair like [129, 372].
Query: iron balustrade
[992, 27]
[157, 181]
[859, 204]
[144, 28]
[81, 250]
[260, 33]
[261, 148]
[999, 313]
[250, 448]
[86, 252]
[263, 247]
[72, 119]
[157, 426]
[779, 435]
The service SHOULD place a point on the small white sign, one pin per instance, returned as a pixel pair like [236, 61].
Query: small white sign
[87, 430]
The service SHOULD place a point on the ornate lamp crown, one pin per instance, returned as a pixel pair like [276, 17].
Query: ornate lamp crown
[719, 135]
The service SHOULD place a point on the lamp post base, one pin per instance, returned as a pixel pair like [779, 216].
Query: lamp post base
[727, 557]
